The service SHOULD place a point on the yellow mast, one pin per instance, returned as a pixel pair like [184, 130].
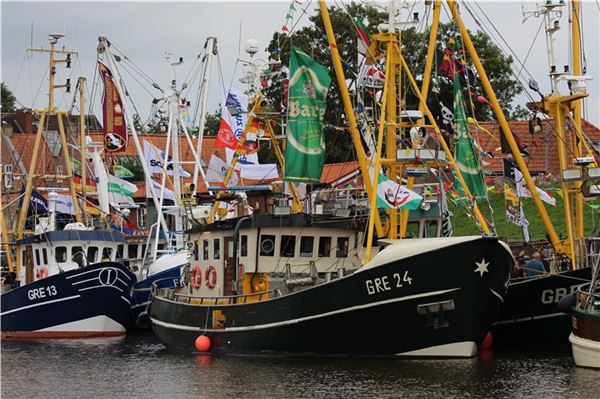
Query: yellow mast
[43, 114]
[553, 237]
[7, 248]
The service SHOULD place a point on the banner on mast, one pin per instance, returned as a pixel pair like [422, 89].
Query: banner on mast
[234, 110]
[216, 171]
[155, 158]
[115, 129]
[305, 143]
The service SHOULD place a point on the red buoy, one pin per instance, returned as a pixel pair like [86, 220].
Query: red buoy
[202, 343]
[487, 342]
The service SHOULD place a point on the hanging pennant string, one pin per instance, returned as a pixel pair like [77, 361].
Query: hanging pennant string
[289, 17]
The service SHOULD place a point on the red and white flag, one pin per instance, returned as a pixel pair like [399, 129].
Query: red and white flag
[115, 129]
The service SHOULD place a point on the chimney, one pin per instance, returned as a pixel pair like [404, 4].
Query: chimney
[24, 120]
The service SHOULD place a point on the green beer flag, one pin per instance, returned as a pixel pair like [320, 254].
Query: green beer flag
[305, 144]
[464, 152]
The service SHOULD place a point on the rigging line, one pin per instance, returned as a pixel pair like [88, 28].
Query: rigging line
[124, 68]
[20, 71]
[288, 36]
[496, 42]
[94, 86]
[138, 69]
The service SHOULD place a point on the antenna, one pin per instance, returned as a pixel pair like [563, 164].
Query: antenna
[240, 38]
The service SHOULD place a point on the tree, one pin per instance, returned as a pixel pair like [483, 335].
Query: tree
[312, 40]
[211, 125]
[8, 99]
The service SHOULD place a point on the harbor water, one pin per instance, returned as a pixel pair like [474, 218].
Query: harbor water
[137, 366]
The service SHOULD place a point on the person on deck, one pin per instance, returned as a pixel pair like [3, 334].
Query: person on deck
[534, 267]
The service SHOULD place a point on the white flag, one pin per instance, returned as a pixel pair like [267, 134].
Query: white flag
[392, 195]
[64, 204]
[259, 172]
[523, 191]
[168, 194]
[216, 171]
[155, 158]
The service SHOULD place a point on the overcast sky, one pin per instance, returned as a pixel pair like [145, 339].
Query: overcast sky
[143, 31]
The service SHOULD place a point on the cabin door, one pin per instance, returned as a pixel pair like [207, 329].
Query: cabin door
[28, 264]
[229, 266]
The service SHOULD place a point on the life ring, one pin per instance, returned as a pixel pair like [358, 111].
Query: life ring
[42, 272]
[211, 277]
[196, 280]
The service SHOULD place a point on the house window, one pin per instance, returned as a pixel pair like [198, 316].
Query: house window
[244, 245]
[37, 256]
[288, 246]
[205, 249]
[306, 246]
[217, 248]
[267, 245]
[324, 247]
[92, 253]
[61, 254]
[342, 247]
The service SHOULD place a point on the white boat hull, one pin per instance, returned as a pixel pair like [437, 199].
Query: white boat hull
[585, 351]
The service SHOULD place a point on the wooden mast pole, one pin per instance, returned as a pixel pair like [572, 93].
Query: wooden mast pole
[82, 143]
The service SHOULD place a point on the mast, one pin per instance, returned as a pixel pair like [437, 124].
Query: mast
[7, 248]
[43, 114]
[211, 49]
[103, 46]
[82, 132]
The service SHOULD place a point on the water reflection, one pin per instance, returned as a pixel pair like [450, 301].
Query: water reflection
[138, 366]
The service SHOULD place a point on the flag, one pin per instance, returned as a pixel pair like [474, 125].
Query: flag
[231, 128]
[217, 169]
[305, 144]
[64, 204]
[510, 196]
[259, 172]
[90, 184]
[37, 203]
[155, 158]
[120, 191]
[447, 228]
[392, 195]
[371, 76]
[364, 38]
[168, 194]
[517, 216]
[464, 151]
[523, 191]
[122, 172]
[115, 129]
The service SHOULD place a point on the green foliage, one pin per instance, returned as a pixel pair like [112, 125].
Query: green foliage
[520, 113]
[312, 39]
[8, 99]
[211, 125]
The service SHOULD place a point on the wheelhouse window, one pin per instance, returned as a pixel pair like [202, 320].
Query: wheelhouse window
[61, 254]
[75, 251]
[288, 246]
[37, 256]
[342, 247]
[132, 251]
[45, 255]
[267, 245]
[244, 245]
[205, 249]
[217, 248]
[120, 251]
[92, 253]
[196, 250]
[106, 253]
[306, 246]
[324, 247]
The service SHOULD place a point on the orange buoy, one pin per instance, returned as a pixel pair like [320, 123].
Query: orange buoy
[202, 343]
[487, 342]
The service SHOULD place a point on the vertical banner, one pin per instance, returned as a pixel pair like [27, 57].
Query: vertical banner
[466, 157]
[115, 129]
[305, 144]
